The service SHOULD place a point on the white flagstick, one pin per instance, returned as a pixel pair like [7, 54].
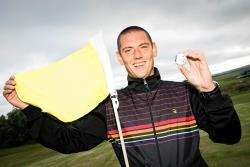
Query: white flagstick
[115, 103]
[97, 41]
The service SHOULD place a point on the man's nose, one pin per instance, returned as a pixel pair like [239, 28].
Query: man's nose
[137, 54]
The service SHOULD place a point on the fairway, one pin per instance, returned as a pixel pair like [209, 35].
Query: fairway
[216, 155]
[37, 155]
[237, 155]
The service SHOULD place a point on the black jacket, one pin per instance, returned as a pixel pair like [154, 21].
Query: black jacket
[213, 112]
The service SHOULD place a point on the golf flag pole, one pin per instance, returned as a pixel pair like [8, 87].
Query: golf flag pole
[104, 56]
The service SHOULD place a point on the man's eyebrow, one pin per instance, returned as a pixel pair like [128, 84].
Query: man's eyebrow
[127, 47]
[145, 43]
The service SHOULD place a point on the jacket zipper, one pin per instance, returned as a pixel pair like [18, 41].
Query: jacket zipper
[152, 121]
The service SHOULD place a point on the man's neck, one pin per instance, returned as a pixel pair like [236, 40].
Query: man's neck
[138, 83]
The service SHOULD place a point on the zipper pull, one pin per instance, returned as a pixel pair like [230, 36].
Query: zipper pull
[146, 84]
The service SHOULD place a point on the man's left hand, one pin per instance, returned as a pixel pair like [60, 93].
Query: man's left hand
[198, 74]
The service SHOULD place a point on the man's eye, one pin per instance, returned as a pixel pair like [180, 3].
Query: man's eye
[128, 51]
[144, 46]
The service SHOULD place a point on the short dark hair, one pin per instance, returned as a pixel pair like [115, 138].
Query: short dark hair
[130, 29]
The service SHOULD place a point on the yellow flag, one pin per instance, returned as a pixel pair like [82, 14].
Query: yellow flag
[69, 88]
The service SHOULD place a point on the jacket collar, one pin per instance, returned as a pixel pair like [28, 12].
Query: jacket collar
[138, 83]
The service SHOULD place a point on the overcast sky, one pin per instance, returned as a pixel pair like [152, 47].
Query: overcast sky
[35, 33]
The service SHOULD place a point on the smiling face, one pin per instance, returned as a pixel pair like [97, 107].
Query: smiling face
[137, 54]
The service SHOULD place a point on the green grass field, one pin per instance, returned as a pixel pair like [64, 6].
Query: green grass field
[216, 155]
[237, 155]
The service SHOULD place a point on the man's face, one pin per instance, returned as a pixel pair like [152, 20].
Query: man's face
[137, 54]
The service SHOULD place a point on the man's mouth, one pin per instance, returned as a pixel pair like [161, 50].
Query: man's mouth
[139, 65]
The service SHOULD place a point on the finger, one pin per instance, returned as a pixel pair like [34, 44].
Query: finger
[198, 60]
[191, 60]
[6, 87]
[10, 82]
[7, 92]
[195, 55]
[193, 63]
[195, 59]
[12, 77]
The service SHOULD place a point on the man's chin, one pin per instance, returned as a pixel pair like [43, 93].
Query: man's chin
[142, 76]
[134, 75]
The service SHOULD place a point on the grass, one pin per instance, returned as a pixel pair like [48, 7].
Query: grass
[216, 155]
[219, 155]
[37, 155]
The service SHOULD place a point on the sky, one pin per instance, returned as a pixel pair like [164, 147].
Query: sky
[34, 33]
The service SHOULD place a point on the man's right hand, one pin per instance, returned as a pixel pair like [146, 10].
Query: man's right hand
[10, 94]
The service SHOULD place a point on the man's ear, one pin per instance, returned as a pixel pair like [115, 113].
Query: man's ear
[119, 58]
[154, 49]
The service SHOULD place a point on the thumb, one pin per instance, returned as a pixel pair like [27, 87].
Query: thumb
[184, 71]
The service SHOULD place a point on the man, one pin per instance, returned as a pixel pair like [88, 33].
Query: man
[159, 119]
